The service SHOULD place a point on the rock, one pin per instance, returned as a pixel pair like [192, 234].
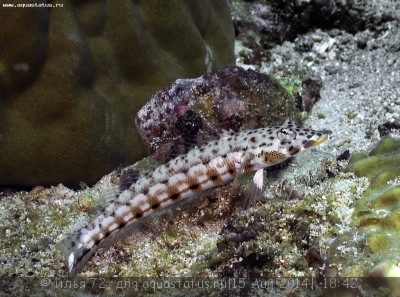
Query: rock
[73, 78]
[311, 92]
[387, 128]
[190, 110]
[261, 25]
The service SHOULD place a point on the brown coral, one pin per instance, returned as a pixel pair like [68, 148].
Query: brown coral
[73, 78]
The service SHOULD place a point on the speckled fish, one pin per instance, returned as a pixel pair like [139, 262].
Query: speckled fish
[202, 168]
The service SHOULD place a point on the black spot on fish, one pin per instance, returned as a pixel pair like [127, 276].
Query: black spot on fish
[155, 206]
[224, 155]
[194, 187]
[253, 139]
[214, 177]
[174, 196]
[294, 150]
[139, 215]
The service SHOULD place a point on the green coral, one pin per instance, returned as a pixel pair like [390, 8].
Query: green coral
[376, 216]
[381, 202]
[73, 78]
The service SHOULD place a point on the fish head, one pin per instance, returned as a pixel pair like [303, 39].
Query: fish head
[293, 138]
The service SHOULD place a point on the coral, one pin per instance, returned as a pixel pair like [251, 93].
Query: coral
[374, 240]
[192, 109]
[73, 78]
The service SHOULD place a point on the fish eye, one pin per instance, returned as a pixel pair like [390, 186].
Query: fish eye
[286, 135]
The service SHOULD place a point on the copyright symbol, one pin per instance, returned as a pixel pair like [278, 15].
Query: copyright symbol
[45, 282]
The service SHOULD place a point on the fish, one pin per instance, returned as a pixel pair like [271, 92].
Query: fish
[201, 168]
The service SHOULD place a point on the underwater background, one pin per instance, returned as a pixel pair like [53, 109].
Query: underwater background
[91, 87]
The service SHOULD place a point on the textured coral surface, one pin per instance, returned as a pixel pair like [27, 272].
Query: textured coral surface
[72, 79]
[376, 217]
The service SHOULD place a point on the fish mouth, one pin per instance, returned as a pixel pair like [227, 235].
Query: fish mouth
[317, 139]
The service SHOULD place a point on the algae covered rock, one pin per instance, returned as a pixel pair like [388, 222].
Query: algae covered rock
[190, 110]
[72, 79]
[373, 244]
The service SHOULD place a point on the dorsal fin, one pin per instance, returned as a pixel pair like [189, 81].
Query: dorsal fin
[129, 175]
[226, 133]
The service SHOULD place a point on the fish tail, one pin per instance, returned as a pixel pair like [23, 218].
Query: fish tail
[77, 249]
